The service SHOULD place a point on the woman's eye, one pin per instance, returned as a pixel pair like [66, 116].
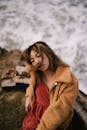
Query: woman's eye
[38, 55]
[32, 61]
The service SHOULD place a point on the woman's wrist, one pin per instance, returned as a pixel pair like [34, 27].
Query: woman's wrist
[27, 95]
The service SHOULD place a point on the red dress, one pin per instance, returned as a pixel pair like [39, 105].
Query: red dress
[42, 102]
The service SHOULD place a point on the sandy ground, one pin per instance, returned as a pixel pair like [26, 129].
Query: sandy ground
[12, 110]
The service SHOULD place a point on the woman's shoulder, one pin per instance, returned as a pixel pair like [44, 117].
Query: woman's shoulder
[63, 74]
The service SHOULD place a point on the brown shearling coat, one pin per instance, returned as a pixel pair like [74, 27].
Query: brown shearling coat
[63, 92]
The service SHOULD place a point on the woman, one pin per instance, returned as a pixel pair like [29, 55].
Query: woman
[51, 97]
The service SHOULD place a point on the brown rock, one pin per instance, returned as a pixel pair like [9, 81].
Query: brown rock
[9, 73]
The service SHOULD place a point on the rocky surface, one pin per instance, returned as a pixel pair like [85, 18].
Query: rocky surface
[12, 90]
[10, 71]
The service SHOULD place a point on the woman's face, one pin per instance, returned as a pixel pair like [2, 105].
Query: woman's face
[40, 62]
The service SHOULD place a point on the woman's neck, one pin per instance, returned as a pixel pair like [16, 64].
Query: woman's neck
[47, 77]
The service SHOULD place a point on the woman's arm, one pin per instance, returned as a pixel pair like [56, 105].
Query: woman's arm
[59, 111]
[30, 97]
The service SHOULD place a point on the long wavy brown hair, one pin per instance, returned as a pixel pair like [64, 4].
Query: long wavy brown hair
[41, 47]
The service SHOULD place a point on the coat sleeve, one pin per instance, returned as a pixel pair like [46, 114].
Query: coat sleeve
[59, 111]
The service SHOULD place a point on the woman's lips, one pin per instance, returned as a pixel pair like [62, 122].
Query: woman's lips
[40, 66]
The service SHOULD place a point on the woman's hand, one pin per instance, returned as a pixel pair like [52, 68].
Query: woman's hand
[27, 104]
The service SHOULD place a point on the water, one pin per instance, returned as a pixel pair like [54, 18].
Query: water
[60, 23]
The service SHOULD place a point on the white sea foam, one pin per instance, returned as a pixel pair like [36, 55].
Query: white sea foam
[60, 23]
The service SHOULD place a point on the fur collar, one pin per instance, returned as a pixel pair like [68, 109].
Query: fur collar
[63, 74]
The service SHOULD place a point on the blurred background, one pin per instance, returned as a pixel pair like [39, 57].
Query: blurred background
[60, 23]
